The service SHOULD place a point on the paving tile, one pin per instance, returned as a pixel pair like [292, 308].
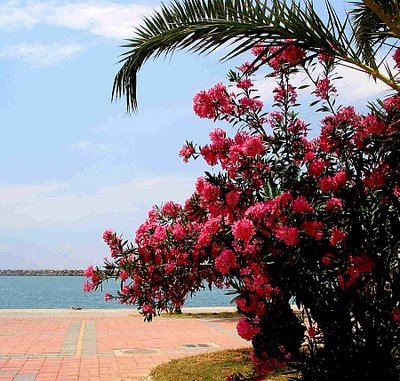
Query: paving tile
[25, 377]
[61, 346]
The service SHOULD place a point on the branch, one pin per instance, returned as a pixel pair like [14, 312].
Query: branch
[391, 22]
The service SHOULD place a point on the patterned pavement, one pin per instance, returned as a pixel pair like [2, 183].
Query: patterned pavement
[102, 345]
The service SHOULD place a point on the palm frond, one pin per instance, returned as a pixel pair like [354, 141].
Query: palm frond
[370, 29]
[202, 26]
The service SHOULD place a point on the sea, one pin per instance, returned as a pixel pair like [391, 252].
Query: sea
[53, 292]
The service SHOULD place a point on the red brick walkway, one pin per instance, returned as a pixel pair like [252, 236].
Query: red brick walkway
[105, 345]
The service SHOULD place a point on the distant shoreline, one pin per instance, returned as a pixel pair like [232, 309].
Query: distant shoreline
[42, 272]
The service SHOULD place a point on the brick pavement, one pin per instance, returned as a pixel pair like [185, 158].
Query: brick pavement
[101, 345]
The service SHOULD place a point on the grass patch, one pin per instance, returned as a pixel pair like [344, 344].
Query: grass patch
[213, 366]
[203, 315]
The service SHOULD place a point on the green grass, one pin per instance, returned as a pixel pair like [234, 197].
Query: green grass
[213, 366]
[203, 315]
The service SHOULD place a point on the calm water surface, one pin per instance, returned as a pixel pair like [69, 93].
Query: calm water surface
[66, 291]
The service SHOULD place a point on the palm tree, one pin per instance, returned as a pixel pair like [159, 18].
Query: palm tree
[371, 27]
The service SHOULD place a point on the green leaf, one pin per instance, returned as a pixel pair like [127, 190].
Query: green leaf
[202, 26]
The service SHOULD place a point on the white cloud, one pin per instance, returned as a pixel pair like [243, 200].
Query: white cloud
[92, 148]
[354, 88]
[29, 206]
[10, 194]
[357, 87]
[13, 17]
[108, 20]
[111, 20]
[40, 56]
[265, 88]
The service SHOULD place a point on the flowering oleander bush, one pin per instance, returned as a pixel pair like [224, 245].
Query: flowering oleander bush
[282, 217]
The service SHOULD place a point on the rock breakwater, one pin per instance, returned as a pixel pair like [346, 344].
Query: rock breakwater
[42, 272]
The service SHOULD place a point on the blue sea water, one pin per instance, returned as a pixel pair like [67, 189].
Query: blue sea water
[50, 292]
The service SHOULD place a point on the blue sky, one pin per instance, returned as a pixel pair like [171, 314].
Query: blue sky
[74, 164]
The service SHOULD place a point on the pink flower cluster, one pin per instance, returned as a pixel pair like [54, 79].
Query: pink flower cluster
[276, 206]
[186, 152]
[324, 87]
[113, 242]
[288, 94]
[396, 57]
[280, 55]
[207, 104]
[246, 329]
[359, 266]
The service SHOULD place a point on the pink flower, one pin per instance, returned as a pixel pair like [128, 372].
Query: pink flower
[359, 265]
[88, 286]
[244, 84]
[283, 199]
[363, 263]
[178, 232]
[108, 235]
[275, 117]
[334, 183]
[340, 179]
[123, 275]
[209, 155]
[287, 234]
[259, 210]
[146, 308]
[323, 88]
[125, 290]
[333, 204]
[186, 152]
[266, 364]
[326, 184]
[396, 315]
[108, 297]
[89, 271]
[337, 235]
[226, 261]
[250, 103]
[243, 229]
[285, 55]
[392, 103]
[209, 229]
[316, 167]
[375, 179]
[396, 57]
[282, 94]
[324, 58]
[218, 138]
[301, 205]
[208, 104]
[232, 198]
[247, 68]
[314, 229]
[170, 209]
[253, 146]
[246, 329]
[292, 54]
[346, 114]
[373, 126]
[208, 192]
[159, 234]
[258, 49]
[327, 259]
[112, 241]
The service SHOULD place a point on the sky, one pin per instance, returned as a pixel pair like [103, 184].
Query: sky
[73, 163]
